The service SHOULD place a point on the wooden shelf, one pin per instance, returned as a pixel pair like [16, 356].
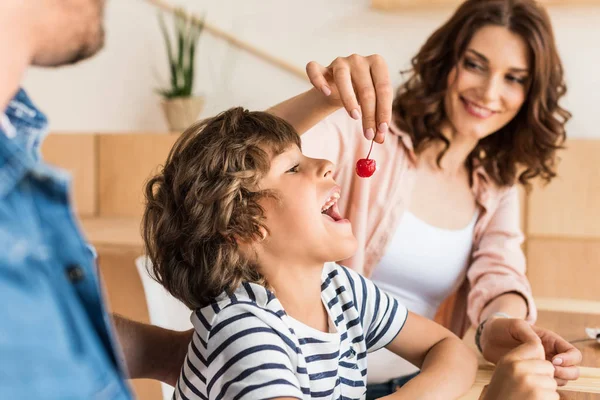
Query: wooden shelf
[113, 232]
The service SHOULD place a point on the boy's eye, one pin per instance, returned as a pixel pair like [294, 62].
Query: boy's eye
[294, 169]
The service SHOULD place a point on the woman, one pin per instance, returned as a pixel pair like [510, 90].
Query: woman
[478, 115]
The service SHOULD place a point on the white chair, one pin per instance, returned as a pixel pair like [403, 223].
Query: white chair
[164, 310]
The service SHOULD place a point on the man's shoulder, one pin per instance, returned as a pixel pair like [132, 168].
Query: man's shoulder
[24, 124]
[23, 113]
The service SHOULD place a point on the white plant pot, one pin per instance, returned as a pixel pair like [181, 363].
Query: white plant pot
[181, 112]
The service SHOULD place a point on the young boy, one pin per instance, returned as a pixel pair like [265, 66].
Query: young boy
[242, 228]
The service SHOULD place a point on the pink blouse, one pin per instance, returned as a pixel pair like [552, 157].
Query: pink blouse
[375, 206]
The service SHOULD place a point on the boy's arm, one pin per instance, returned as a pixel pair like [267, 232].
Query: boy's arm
[152, 352]
[447, 365]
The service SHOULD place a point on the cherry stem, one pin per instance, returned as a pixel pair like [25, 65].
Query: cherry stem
[372, 141]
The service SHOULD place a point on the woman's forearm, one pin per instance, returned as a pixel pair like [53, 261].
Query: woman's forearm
[305, 110]
[512, 304]
[448, 371]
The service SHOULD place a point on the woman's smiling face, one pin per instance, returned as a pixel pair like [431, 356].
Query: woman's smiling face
[489, 85]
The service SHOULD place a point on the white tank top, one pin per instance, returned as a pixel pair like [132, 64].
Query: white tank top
[422, 266]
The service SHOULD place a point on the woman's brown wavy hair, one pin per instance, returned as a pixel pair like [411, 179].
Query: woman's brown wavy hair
[524, 148]
[206, 197]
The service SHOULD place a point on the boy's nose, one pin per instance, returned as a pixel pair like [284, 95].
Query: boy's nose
[326, 169]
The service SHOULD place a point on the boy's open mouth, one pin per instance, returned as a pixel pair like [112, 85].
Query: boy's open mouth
[330, 208]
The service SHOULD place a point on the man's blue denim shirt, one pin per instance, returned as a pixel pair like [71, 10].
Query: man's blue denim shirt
[55, 337]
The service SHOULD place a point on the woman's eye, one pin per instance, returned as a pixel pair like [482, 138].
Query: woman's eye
[471, 65]
[514, 79]
[294, 169]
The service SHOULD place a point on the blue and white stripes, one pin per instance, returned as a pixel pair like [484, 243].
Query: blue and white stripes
[246, 346]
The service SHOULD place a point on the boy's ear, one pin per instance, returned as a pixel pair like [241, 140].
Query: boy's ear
[243, 242]
[263, 232]
[248, 248]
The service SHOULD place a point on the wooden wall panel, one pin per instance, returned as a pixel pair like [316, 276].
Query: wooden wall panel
[563, 227]
[127, 161]
[126, 297]
[564, 268]
[77, 154]
[570, 205]
[113, 232]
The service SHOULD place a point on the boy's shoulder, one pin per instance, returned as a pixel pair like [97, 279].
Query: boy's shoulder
[337, 275]
[249, 305]
[348, 286]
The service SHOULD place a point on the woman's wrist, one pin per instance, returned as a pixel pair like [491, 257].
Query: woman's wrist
[479, 331]
[322, 103]
[511, 303]
[306, 109]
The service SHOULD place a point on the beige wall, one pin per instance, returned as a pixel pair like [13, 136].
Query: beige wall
[114, 91]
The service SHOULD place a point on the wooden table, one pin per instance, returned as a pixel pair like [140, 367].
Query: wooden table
[571, 325]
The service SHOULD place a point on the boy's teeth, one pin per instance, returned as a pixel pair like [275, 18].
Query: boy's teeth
[330, 201]
[327, 206]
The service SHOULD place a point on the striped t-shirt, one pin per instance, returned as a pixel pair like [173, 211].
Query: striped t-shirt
[245, 346]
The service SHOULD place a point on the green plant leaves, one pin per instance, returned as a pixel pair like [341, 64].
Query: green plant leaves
[187, 31]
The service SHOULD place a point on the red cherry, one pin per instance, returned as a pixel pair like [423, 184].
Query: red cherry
[365, 167]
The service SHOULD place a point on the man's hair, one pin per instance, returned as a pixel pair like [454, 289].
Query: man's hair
[206, 199]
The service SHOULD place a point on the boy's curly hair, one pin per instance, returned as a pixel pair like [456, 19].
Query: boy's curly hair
[205, 198]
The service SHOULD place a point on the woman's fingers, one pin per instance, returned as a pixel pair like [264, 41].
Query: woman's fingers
[363, 87]
[569, 354]
[384, 95]
[566, 373]
[532, 350]
[365, 93]
[316, 74]
[533, 367]
[340, 69]
[561, 382]
[522, 331]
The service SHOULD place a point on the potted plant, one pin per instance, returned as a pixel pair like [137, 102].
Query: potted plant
[180, 105]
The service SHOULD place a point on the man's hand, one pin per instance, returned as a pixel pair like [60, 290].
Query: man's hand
[502, 335]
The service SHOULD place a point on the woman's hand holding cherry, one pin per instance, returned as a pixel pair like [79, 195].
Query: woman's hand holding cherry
[362, 86]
